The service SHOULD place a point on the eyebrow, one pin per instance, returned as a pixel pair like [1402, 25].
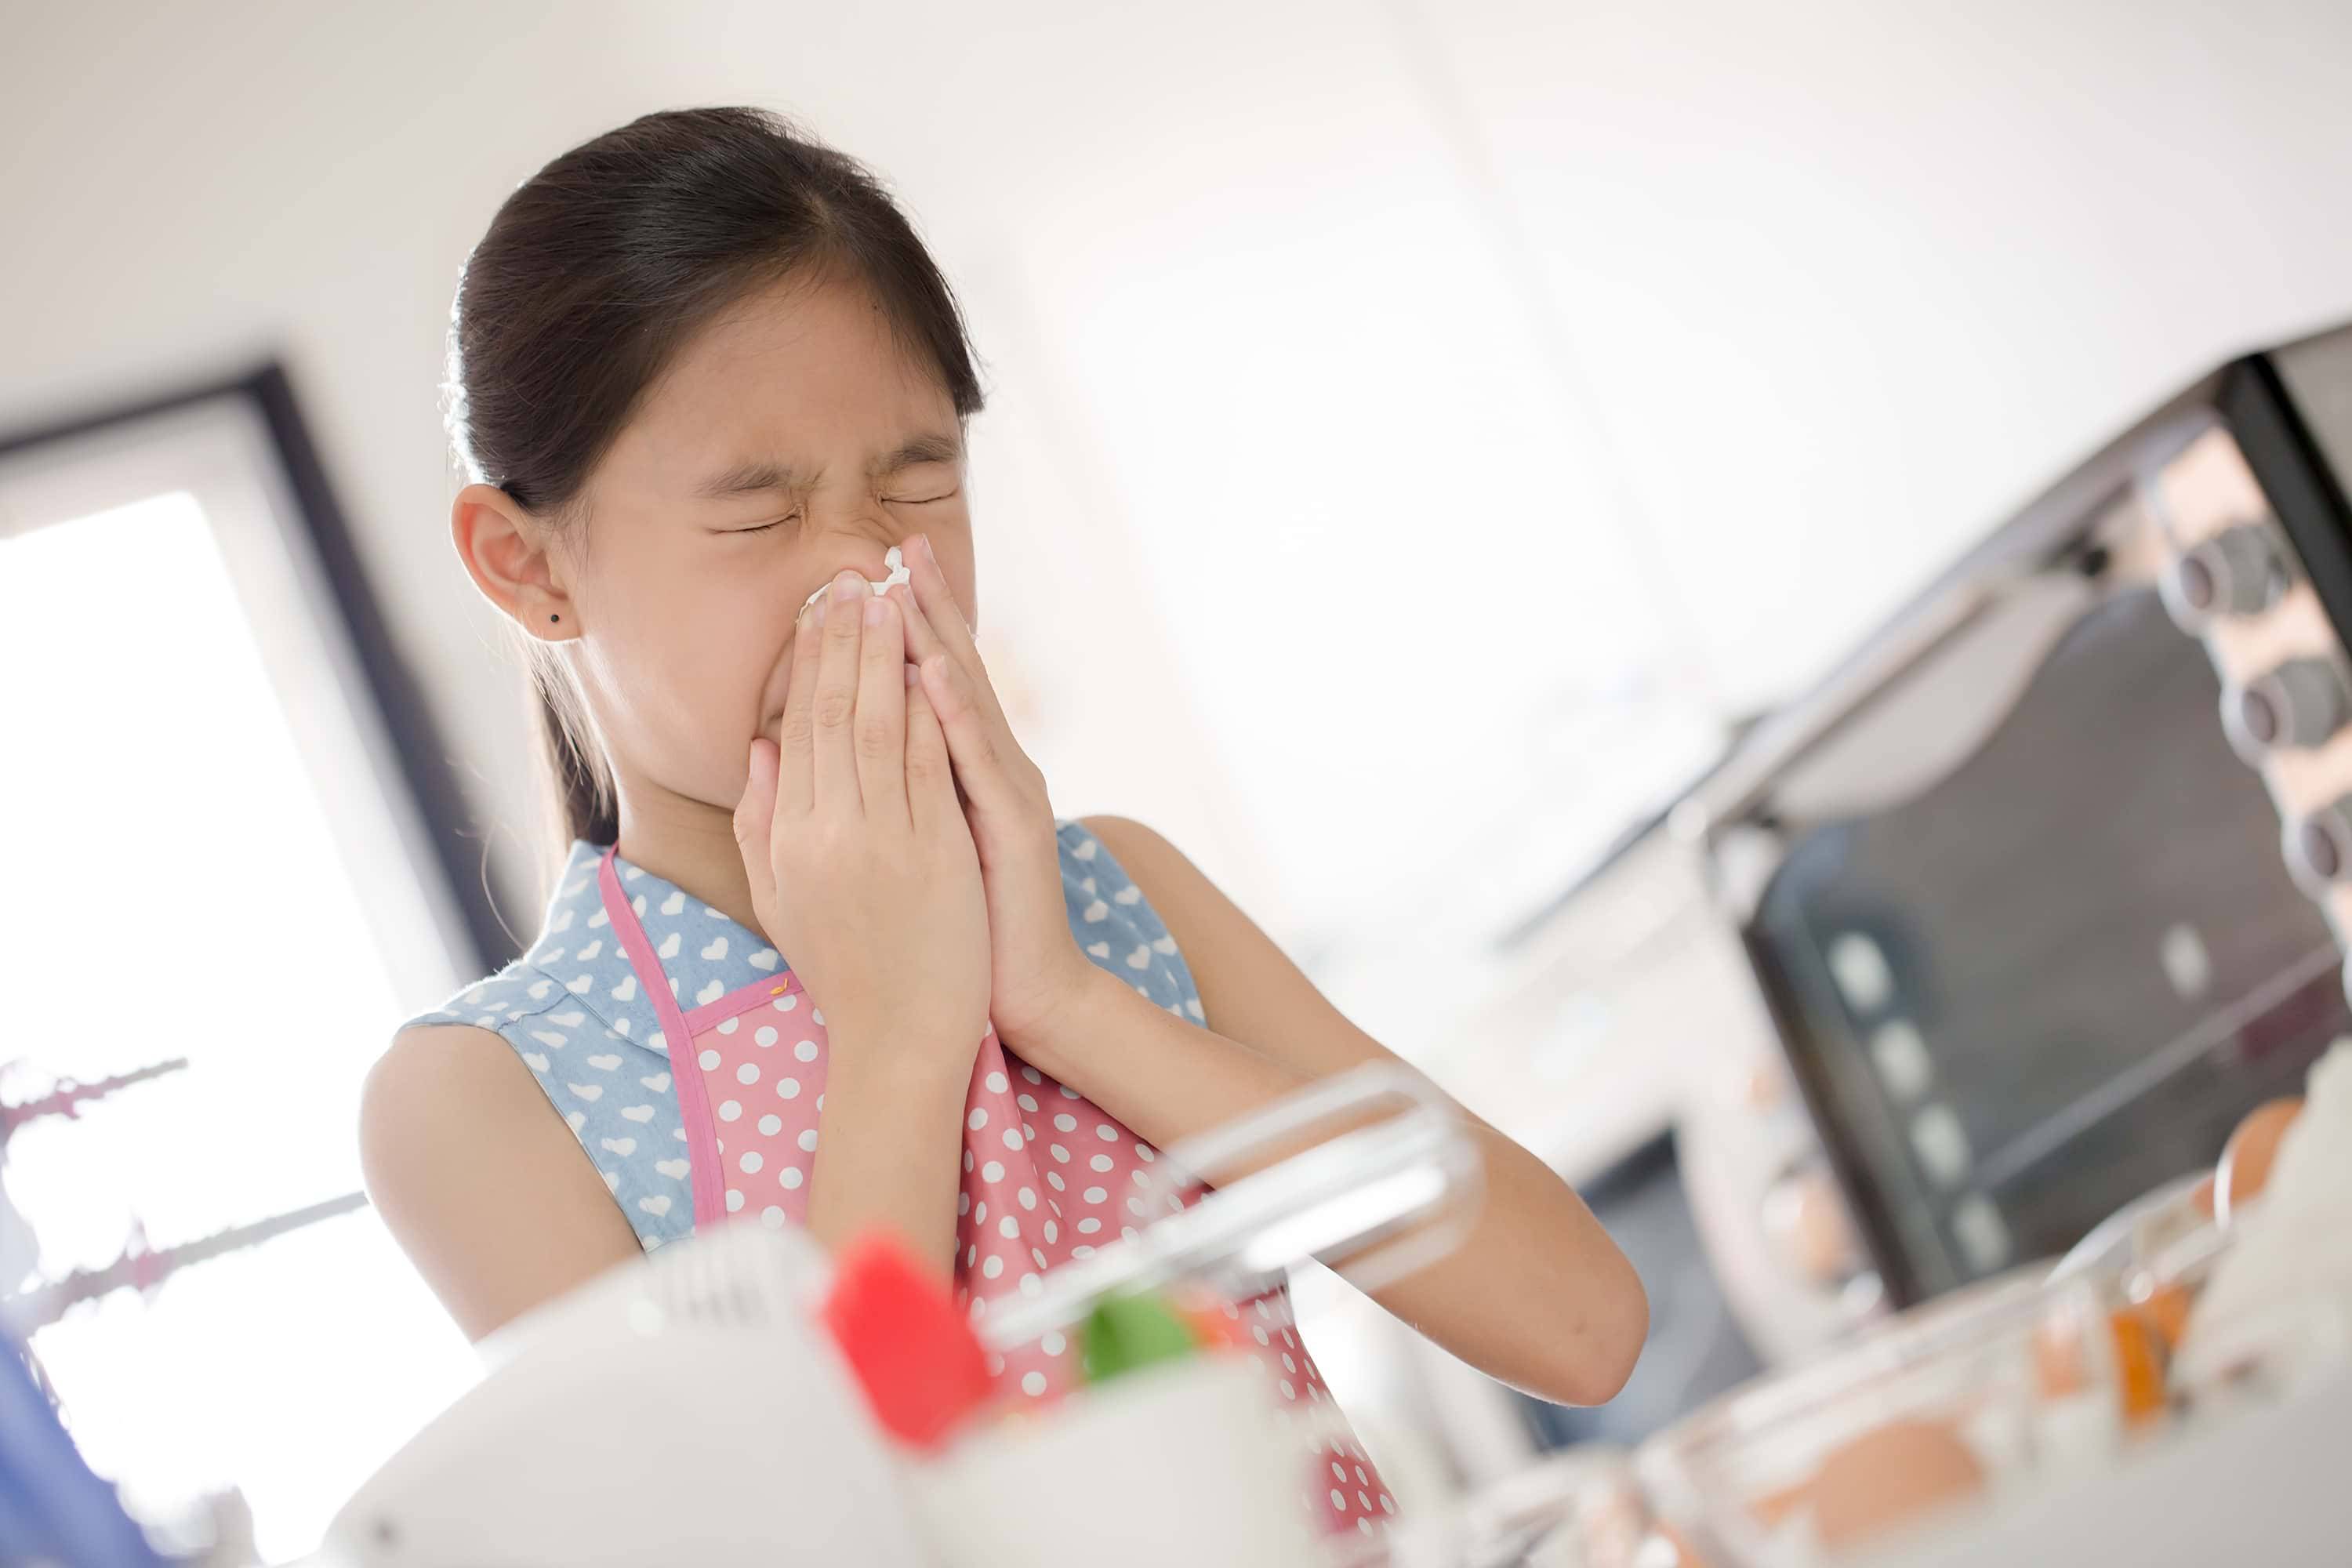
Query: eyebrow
[760, 474]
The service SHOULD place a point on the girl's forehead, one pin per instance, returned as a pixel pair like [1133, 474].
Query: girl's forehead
[806, 377]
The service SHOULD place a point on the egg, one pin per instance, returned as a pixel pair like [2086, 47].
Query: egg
[1890, 1476]
[2246, 1159]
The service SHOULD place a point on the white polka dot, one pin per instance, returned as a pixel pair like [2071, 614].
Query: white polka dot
[1032, 1074]
[1339, 1473]
[1053, 1180]
[1030, 1285]
[791, 1176]
[1100, 1162]
[997, 1084]
[964, 1203]
[1012, 1138]
[992, 1171]
[1388, 1504]
[1067, 1122]
[1008, 1225]
[1337, 1498]
[734, 1200]
[752, 1162]
[992, 1267]
[1093, 1194]
[967, 1160]
[1260, 1334]
[1058, 1152]
[773, 1217]
[1069, 1093]
[1026, 1103]
[748, 1073]
[805, 1050]
[1053, 1233]
[816, 1015]
[1291, 1392]
[771, 1125]
[726, 1025]
[790, 1088]
[1082, 1251]
[980, 1214]
[970, 1253]
[1365, 1525]
[1052, 1343]
[978, 1119]
[1143, 1152]
[1088, 1225]
[1028, 1196]
[765, 1034]
[1037, 1253]
[728, 1110]
[1141, 1178]
[807, 1140]
[1033, 1383]
[1106, 1134]
[708, 1059]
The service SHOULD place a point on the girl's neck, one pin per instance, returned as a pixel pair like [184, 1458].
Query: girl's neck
[692, 845]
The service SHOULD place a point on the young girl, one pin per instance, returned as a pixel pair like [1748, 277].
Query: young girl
[821, 955]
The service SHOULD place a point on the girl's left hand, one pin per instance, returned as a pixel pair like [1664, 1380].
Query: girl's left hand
[1034, 962]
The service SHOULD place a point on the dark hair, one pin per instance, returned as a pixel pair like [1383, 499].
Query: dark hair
[593, 275]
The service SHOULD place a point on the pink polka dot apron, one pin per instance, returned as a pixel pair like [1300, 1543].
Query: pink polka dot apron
[1047, 1176]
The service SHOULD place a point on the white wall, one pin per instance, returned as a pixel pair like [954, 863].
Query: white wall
[1683, 337]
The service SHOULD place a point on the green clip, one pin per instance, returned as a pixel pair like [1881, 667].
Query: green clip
[1124, 1332]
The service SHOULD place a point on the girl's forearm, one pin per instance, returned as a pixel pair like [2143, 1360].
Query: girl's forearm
[1536, 1294]
[889, 1148]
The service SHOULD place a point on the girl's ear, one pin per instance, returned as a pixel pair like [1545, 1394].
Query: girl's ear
[506, 552]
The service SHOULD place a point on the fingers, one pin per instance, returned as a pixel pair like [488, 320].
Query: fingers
[755, 813]
[931, 779]
[980, 746]
[945, 619]
[833, 708]
[879, 727]
[795, 779]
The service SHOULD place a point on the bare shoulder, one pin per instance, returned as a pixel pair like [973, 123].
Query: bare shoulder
[1146, 856]
[478, 1178]
[1250, 989]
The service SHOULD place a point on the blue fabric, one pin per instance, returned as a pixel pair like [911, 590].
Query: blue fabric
[571, 1006]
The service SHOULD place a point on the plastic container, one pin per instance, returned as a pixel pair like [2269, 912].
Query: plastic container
[1999, 1388]
[1170, 1465]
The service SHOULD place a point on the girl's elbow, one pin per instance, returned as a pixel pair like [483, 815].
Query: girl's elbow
[1599, 1363]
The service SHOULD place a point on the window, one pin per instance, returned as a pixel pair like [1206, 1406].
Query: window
[224, 844]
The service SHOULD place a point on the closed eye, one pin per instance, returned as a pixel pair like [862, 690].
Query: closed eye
[922, 500]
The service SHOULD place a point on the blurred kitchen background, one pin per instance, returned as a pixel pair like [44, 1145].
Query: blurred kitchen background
[1695, 342]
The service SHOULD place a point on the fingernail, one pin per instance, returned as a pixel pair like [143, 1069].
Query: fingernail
[913, 674]
[873, 611]
[816, 617]
[846, 585]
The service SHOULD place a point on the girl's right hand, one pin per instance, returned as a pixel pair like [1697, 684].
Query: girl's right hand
[862, 867]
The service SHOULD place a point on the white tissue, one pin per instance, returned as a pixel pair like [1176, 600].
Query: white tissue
[890, 559]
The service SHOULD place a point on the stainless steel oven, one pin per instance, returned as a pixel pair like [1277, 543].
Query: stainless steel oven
[2012, 916]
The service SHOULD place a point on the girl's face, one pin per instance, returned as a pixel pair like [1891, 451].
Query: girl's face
[793, 439]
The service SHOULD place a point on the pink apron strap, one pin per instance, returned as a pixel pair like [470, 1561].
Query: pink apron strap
[684, 1072]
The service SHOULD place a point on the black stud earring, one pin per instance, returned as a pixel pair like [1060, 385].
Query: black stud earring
[555, 617]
